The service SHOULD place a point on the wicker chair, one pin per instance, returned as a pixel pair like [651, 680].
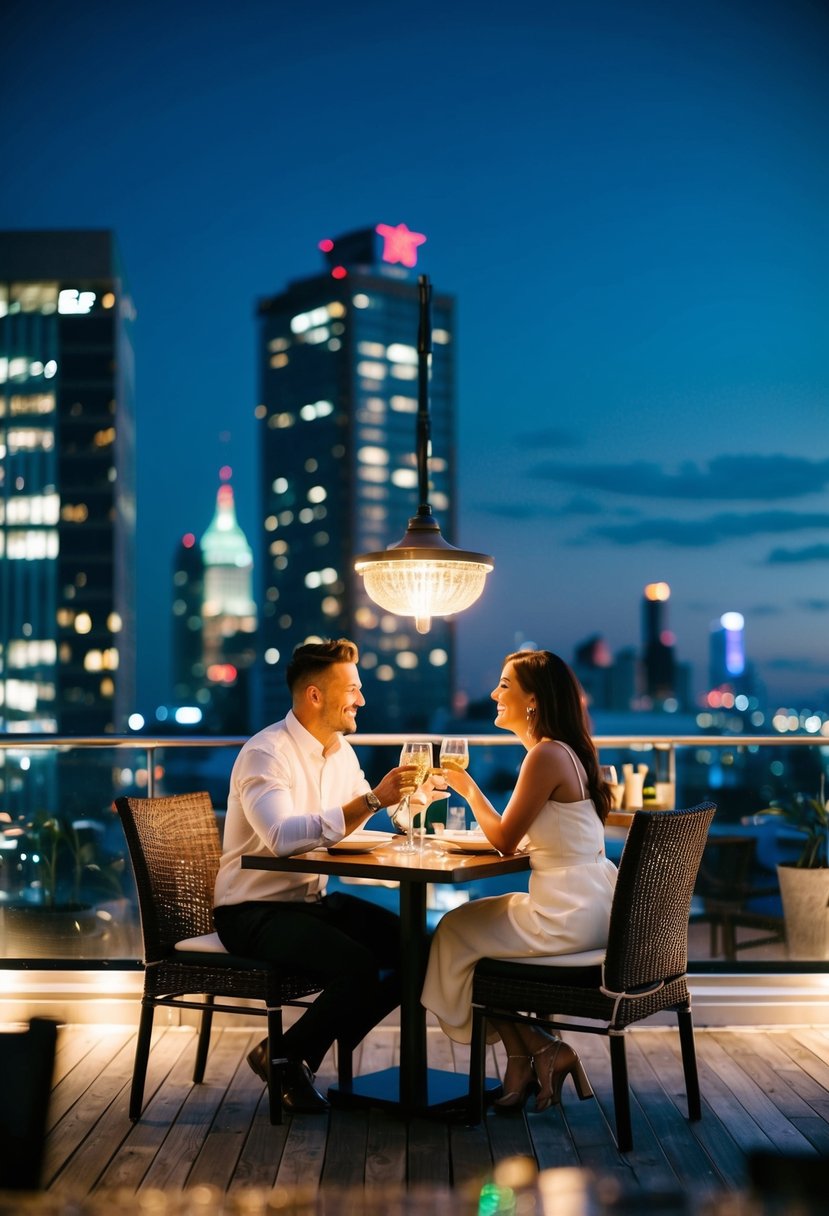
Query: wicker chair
[175, 849]
[27, 1061]
[642, 972]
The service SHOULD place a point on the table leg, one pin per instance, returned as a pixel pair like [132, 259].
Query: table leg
[414, 947]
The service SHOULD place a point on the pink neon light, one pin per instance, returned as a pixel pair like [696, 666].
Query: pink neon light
[400, 244]
[326, 245]
[339, 272]
[188, 540]
[225, 472]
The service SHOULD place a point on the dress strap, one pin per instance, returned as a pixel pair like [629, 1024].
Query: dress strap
[576, 765]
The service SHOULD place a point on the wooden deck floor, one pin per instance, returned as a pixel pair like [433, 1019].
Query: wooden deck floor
[762, 1090]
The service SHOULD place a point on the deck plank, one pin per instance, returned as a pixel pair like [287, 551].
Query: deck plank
[762, 1089]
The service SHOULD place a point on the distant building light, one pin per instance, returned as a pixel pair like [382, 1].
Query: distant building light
[657, 591]
[271, 656]
[135, 721]
[338, 272]
[188, 715]
[400, 244]
[326, 244]
[70, 300]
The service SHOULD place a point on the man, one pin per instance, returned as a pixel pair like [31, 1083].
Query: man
[295, 786]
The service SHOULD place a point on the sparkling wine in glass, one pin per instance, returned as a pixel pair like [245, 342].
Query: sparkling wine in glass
[454, 753]
[419, 755]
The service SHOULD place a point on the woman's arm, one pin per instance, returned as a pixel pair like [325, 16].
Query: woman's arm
[541, 772]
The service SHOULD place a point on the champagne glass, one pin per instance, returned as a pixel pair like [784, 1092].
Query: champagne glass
[454, 753]
[419, 755]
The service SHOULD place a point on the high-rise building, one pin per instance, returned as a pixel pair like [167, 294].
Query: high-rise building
[186, 633]
[67, 498]
[337, 416]
[658, 663]
[228, 618]
[214, 621]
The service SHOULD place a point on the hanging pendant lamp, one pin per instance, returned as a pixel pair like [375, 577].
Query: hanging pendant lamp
[422, 575]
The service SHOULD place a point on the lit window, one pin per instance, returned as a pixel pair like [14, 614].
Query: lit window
[384, 672]
[93, 661]
[335, 344]
[399, 353]
[404, 405]
[108, 300]
[260, 411]
[50, 369]
[441, 336]
[407, 659]
[372, 474]
[278, 361]
[439, 500]
[366, 617]
[20, 440]
[373, 455]
[330, 605]
[70, 300]
[311, 465]
[83, 623]
[317, 494]
[306, 515]
[361, 301]
[371, 369]
[278, 344]
[438, 657]
[406, 479]
[375, 350]
[29, 546]
[336, 309]
[271, 523]
[103, 439]
[401, 371]
[286, 517]
[368, 660]
[107, 687]
[271, 656]
[280, 485]
[312, 579]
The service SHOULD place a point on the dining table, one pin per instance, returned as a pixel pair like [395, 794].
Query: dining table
[412, 1087]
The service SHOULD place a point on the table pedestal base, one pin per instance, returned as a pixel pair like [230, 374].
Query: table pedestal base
[445, 1091]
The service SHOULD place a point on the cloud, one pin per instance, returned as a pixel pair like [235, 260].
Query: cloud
[812, 553]
[727, 478]
[714, 529]
[814, 605]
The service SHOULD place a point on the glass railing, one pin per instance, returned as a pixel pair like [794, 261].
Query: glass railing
[67, 891]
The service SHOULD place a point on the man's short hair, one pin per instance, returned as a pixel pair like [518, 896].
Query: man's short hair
[310, 661]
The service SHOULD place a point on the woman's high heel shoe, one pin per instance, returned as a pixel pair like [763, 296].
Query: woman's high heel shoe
[516, 1099]
[552, 1064]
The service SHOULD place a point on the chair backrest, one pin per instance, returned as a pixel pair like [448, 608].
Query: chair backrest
[27, 1063]
[648, 938]
[175, 850]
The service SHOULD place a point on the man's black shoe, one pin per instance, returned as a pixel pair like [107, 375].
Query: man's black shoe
[299, 1096]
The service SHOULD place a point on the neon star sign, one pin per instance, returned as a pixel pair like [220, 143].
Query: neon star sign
[400, 244]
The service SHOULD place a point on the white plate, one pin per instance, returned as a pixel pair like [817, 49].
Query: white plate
[365, 841]
[466, 842]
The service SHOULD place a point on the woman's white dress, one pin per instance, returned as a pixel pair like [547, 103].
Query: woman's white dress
[566, 910]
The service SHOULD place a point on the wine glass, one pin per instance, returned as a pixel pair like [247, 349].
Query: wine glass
[454, 753]
[419, 755]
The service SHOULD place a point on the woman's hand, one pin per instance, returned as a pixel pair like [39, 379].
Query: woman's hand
[458, 779]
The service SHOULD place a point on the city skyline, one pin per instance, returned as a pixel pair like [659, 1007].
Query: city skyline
[631, 220]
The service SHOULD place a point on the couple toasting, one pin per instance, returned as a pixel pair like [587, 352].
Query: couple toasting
[297, 785]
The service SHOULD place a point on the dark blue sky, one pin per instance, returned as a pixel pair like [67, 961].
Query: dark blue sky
[629, 201]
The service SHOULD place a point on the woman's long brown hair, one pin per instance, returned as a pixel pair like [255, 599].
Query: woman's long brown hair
[561, 713]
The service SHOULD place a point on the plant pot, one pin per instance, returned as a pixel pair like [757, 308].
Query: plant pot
[37, 931]
[805, 895]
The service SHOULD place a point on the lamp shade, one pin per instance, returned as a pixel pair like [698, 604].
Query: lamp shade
[423, 575]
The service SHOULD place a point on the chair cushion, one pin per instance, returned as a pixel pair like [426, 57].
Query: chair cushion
[585, 958]
[208, 943]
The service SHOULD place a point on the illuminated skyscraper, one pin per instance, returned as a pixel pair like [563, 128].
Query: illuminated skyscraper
[338, 403]
[186, 634]
[67, 501]
[658, 664]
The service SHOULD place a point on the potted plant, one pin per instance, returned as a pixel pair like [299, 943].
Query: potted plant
[804, 882]
[57, 859]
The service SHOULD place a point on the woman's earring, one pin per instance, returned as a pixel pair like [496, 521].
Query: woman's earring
[530, 714]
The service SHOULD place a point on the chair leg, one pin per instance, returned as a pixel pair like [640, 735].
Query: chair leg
[689, 1062]
[345, 1065]
[203, 1044]
[276, 1065]
[621, 1092]
[477, 1067]
[142, 1056]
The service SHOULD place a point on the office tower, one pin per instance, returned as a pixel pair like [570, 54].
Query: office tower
[337, 413]
[658, 664]
[67, 500]
[729, 671]
[187, 648]
[228, 619]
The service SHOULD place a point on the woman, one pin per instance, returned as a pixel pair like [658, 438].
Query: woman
[559, 805]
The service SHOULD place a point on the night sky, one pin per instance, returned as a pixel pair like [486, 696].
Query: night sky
[629, 201]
